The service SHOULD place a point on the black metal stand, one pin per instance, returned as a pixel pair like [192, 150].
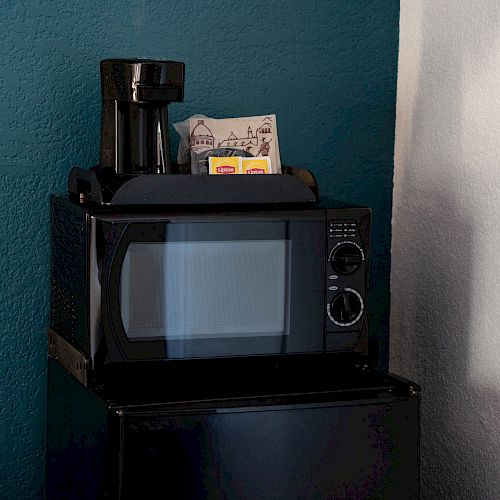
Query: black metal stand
[102, 187]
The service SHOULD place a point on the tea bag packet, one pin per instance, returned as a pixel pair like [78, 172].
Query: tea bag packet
[257, 165]
[224, 165]
[248, 137]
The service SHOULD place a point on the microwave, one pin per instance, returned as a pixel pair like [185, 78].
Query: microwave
[166, 284]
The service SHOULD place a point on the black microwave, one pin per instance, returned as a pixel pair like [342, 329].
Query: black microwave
[177, 284]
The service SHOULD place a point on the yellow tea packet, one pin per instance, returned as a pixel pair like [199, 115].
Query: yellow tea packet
[257, 165]
[224, 165]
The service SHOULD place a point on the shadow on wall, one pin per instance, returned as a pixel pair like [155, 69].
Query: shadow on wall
[455, 460]
[435, 251]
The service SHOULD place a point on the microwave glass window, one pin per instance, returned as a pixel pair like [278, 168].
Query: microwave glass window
[206, 289]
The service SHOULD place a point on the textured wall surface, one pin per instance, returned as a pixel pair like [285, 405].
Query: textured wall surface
[445, 274]
[326, 68]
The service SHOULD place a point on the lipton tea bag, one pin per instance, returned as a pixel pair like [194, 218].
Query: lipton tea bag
[258, 165]
[224, 165]
[248, 137]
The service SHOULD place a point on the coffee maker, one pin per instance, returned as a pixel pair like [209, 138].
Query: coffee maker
[134, 126]
[134, 121]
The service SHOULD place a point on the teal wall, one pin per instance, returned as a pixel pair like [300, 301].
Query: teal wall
[326, 68]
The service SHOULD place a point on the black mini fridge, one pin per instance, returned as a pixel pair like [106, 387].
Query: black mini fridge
[294, 427]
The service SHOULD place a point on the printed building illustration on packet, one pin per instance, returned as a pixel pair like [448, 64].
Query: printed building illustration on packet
[256, 144]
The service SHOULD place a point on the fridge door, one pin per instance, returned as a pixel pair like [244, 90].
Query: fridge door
[295, 449]
[280, 428]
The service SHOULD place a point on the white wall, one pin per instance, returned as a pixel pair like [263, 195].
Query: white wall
[445, 306]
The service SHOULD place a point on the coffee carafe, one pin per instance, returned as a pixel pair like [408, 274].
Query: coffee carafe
[134, 122]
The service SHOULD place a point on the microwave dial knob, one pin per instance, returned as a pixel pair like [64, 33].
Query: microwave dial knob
[346, 308]
[346, 257]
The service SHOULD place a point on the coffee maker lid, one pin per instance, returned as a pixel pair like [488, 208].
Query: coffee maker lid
[142, 80]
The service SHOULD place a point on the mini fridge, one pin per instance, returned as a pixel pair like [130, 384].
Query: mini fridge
[294, 427]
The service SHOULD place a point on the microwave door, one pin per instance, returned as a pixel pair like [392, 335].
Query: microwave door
[205, 289]
[183, 289]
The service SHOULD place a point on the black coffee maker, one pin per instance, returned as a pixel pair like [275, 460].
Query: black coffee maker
[134, 122]
[134, 126]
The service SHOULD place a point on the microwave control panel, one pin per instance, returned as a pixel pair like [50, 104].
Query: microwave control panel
[347, 278]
